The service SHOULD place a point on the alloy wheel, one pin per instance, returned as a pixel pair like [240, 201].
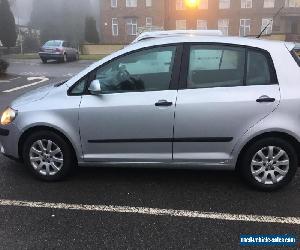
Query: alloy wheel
[270, 165]
[46, 157]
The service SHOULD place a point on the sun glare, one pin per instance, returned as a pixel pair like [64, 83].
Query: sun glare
[192, 3]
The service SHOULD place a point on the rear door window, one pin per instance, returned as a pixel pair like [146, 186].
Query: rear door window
[216, 66]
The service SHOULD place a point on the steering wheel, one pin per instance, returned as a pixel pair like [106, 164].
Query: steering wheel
[124, 76]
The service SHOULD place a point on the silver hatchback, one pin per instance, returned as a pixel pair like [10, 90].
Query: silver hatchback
[190, 101]
[61, 51]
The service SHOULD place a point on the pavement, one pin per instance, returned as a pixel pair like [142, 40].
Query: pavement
[130, 208]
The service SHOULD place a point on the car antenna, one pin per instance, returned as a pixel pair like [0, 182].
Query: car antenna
[276, 14]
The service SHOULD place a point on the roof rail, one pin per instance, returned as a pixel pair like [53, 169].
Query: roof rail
[172, 33]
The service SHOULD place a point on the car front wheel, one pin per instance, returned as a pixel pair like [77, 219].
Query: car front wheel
[48, 156]
[269, 164]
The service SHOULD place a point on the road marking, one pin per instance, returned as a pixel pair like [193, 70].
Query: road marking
[4, 81]
[40, 79]
[154, 211]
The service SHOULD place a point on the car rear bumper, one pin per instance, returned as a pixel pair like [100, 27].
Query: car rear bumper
[44, 55]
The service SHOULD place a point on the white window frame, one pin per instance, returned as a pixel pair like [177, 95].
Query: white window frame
[292, 3]
[203, 5]
[114, 3]
[148, 3]
[201, 24]
[246, 4]
[264, 23]
[224, 4]
[149, 21]
[245, 26]
[269, 3]
[181, 24]
[131, 3]
[115, 24]
[132, 22]
[223, 25]
[180, 5]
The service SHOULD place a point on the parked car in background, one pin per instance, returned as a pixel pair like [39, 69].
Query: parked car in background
[59, 50]
[210, 102]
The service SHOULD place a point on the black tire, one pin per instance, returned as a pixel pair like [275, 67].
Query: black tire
[68, 156]
[245, 163]
[44, 61]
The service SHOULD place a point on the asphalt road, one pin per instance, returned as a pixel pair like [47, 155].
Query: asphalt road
[130, 225]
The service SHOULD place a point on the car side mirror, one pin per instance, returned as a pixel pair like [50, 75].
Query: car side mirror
[95, 87]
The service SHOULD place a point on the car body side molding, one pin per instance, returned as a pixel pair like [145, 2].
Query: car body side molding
[191, 139]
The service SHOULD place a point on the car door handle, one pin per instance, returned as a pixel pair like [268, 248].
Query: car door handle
[163, 103]
[265, 98]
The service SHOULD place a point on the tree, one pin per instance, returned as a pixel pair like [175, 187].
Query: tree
[8, 33]
[31, 43]
[91, 33]
[60, 19]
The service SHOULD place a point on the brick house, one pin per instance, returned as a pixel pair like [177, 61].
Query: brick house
[121, 20]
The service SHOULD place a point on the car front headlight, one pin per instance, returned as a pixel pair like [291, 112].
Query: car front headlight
[8, 116]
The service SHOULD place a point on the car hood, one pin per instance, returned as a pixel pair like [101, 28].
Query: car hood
[33, 96]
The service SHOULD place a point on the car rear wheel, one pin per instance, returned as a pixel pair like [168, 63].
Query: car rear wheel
[64, 59]
[48, 156]
[44, 60]
[269, 164]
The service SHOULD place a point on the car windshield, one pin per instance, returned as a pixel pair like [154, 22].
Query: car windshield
[53, 43]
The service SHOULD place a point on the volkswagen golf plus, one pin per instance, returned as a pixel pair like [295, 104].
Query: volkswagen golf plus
[182, 100]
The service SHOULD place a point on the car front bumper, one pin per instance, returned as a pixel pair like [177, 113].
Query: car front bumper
[9, 140]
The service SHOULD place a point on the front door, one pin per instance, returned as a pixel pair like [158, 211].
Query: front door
[228, 90]
[133, 117]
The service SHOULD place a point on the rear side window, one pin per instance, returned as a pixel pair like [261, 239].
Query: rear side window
[296, 55]
[216, 66]
[258, 68]
[66, 44]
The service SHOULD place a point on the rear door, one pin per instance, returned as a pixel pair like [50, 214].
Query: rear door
[225, 90]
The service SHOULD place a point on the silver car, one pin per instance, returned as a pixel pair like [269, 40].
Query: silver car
[61, 51]
[185, 101]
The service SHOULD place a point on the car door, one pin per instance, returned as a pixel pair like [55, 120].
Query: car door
[225, 90]
[133, 117]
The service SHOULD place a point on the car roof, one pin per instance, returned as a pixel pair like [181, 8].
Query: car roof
[190, 38]
[176, 33]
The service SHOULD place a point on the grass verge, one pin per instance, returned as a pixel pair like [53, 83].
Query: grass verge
[36, 56]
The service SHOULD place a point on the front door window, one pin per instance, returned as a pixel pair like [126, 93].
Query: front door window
[147, 70]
